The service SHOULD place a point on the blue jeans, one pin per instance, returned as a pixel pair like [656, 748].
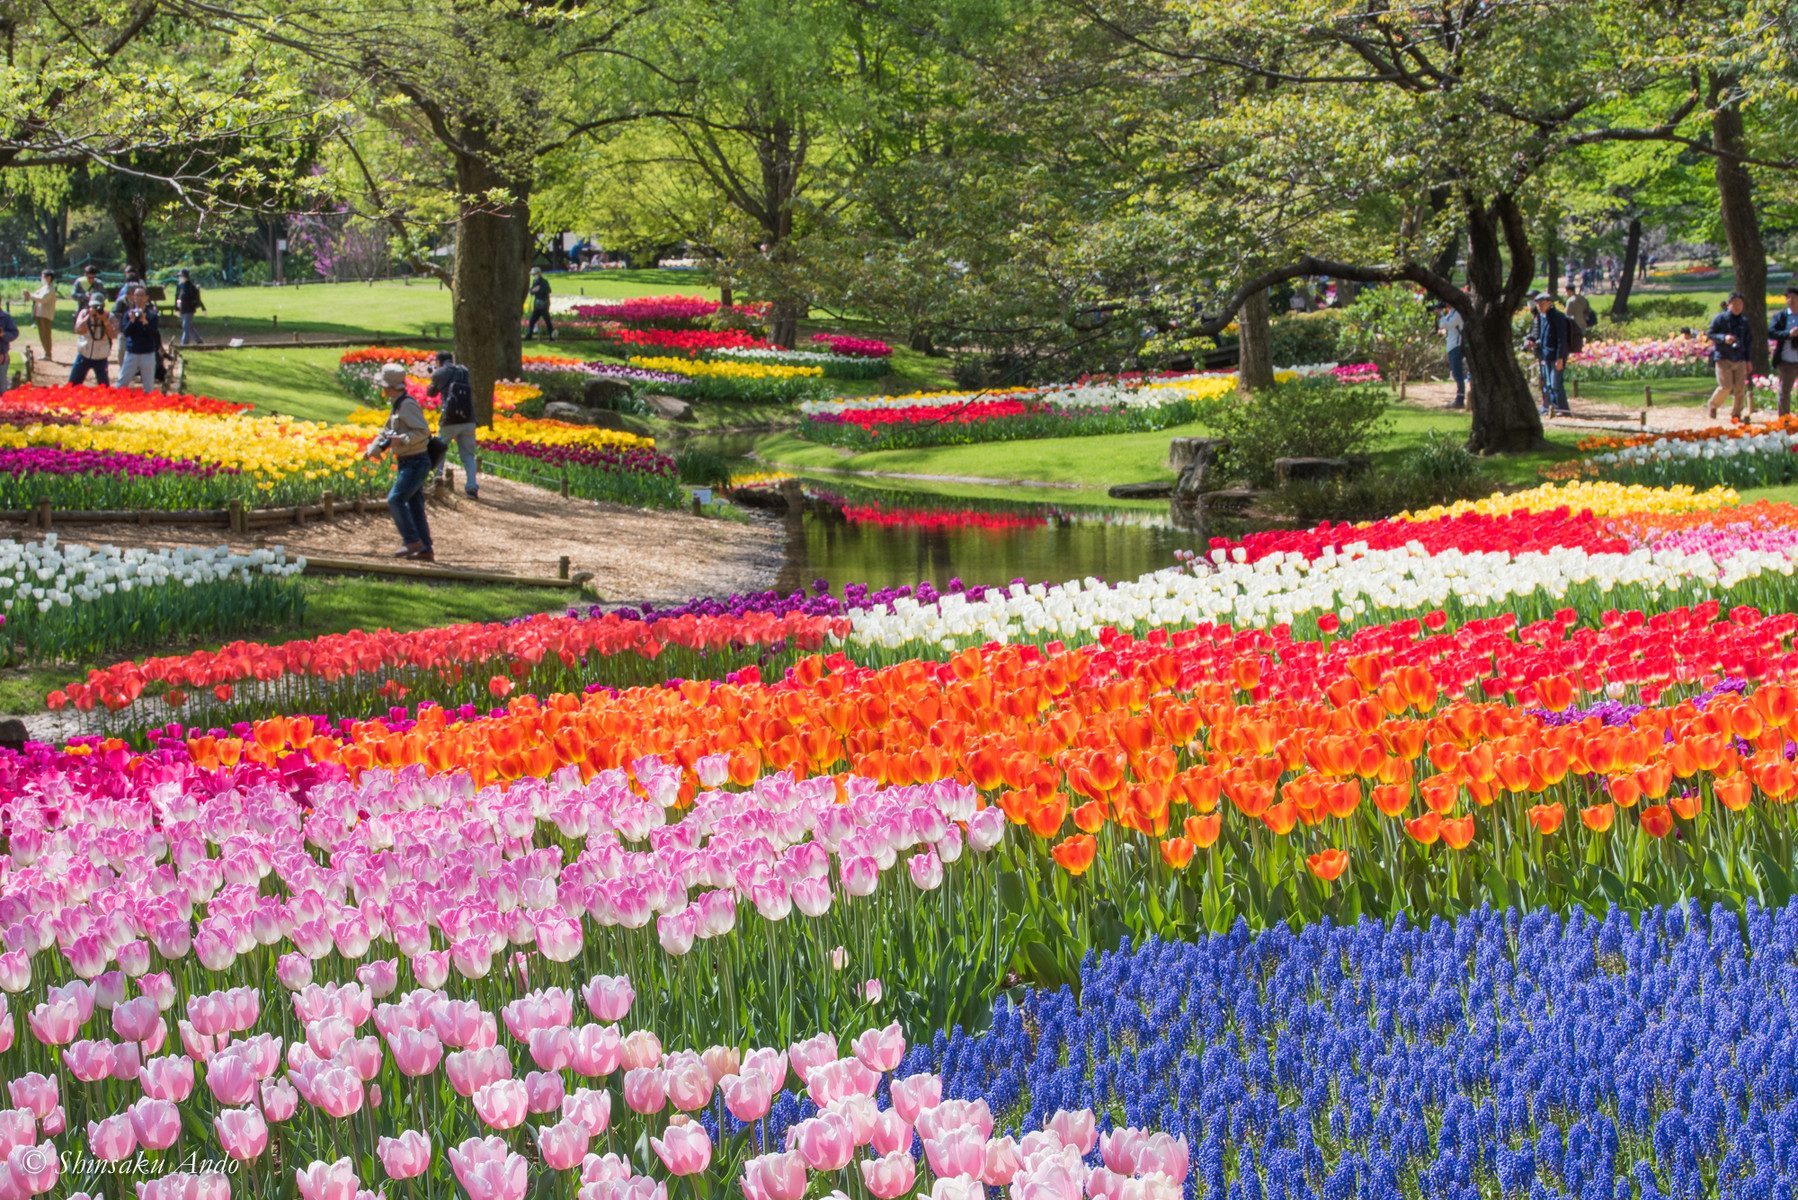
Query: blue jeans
[1457, 367]
[407, 499]
[83, 364]
[463, 436]
[1554, 387]
[190, 334]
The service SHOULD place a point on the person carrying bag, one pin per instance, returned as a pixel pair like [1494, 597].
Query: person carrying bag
[408, 435]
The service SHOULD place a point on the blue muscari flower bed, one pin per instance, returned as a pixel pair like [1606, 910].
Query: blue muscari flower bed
[1501, 1055]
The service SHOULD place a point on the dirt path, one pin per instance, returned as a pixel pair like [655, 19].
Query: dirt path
[1596, 415]
[634, 554]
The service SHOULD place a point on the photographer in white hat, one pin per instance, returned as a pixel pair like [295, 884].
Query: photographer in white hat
[408, 435]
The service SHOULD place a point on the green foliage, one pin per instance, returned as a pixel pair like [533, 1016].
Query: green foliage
[1438, 471]
[701, 467]
[638, 489]
[1305, 418]
[1301, 339]
[1393, 328]
[1686, 308]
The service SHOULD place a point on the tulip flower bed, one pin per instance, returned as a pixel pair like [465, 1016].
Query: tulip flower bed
[620, 474]
[67, 603]
[723, 379]
[834, 366]
[100, 479]
[854, 346]
[1762, 459]
[1646, 358]
[64, 399]
[662, 312]
[357, 371]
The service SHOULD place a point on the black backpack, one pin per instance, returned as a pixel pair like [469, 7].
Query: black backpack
[458, 400]
[1576, 337]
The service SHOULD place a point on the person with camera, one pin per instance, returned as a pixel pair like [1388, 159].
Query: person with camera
[456, 422]
[1548, 340]
[143, 340]
[408, 435]
[95, 332]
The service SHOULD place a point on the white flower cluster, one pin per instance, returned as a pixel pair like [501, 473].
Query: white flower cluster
[51, 572]
[1668, 450]
[778, 357]
[1355, 583]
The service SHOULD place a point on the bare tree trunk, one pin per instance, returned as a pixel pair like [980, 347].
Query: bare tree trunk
[1632, 254]
[1255, 368]
[1742, 226]
[1505, 416]
[492, 249]
[130, 223]
[52, 225]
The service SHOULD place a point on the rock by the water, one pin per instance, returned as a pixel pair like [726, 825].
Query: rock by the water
[574, 414]
[601, 392]
[1298, 470]
[670, 408]
[1159, 490]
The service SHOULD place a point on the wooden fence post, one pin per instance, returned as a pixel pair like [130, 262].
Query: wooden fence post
[239, 524]
[1647, 395]
[562, 567]
[43, 512]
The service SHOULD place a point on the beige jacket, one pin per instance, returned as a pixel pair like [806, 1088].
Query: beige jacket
[407, 431]
[43, 302]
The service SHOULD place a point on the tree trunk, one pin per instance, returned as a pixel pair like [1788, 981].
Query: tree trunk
[130, 223]
[493, 247]
[1505, 415]
[52, 225]
[1552, 263]
[1255, 369]
[783, 322]
[1632, 254]
[1743, 228]
[921, 340]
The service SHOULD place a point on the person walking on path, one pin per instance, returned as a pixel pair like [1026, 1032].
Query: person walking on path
[1550, 341]
[43, 311]
[143, 340]
[95, 331]
[1784, 332]
[456, 422]
[1729, 350]
[1451, 323]
[408, 435]
[1580, 309]
[187, 303]
[539, 306]
[9, 333]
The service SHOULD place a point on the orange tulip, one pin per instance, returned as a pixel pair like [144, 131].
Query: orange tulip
[1686, 805]
[1329, 864]
[1425, 829]
[1076, 853]
[1657, 820]
[1090, 817]
[1546, 818]
[1176, 852]
[1655, 779]
[1044, 817]
[1202, 831]
[1550, 762]
[1441, 793]
[1457, 831]
[1776, 779]
[1555, 693]
[1391, 798]
[1598, 818]
[1733, 793]
[1625, 790]
[1281, 817]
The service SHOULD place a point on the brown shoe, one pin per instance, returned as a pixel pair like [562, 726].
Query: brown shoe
[423, 556]
[409, 550]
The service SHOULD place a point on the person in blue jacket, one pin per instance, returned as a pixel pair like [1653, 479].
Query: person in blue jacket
[1549, 339]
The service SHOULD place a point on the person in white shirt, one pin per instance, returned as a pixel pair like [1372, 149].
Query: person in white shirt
[1450, 324]
[43, 311]
[1784, 332]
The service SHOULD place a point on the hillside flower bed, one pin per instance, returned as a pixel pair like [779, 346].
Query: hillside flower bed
[1733, 459]
[834, 366]
[65, 602]
[661, 312]
[619, 473]
[753, 382]
[1644, 358]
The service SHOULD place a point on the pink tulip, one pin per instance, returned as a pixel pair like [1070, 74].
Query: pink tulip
[506, 1179]
[156, 1122]
[957, 1152]
[472, 957]
[986, 829]
[721, 1061]
[363, 1055]
[431, 968]
[111, 1139]
[405, 1157]
[326, 1034]
[872, 991]
[35, 1092]
[958, 1187]
[1077, 1129]
[685, 1150]
[772, 900]
[645, 1089]
[279, 1099]
[592, 1108]
[915, 1093]
[471, 1070]
[811, 897]
[502, 1104]
[55, 1022]
[547, 1009]
[476, 1152]
[327, 1181]
[770, 1064]
[844, 1077]
[242, 1132]
[810, 1053]
[891, 1133]
[562, 1145]
[861, 1114]
[553, 1048]
[926, 870]
[136, 1020]
[167, 1078]
[839, 958]
[775, 1177]
[545, 1091]
[416, 1052]
[1002, 1162]
[15, 971]
[880, 1050]
[380, 977]
[604, 1168]
[748, 1096]
[826, 1142]
[676, 931]
[294, 971]
[688, 1081]
[53, 1122]
[1137, 1152]
[559, 936]
[640, 1049]
[89, 1061]
[18, 1127]
[597, 1050]
[230, 1079]
[954, 1114]
[34, 1169]
[860, 875]
[159, 987]
[1052, 1179]
[889, 1176]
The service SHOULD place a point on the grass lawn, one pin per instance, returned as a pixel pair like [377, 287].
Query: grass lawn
[1686, 391]
[333, 605]
[1099, 462]
[301, 382]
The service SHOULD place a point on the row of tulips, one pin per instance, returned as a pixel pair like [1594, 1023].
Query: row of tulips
[634, 475]
[66, 603]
